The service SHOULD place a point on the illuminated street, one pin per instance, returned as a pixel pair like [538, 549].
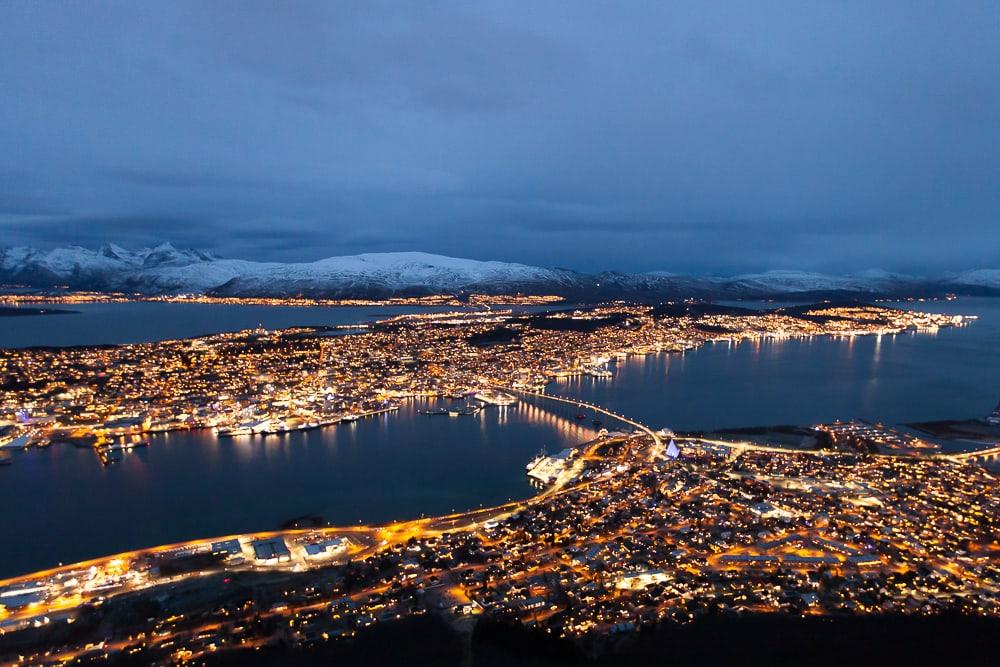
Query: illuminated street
[637, 531]
[478, 334]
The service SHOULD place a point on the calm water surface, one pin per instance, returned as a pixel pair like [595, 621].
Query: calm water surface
[115, 323]
[954, 373]
[61, 505]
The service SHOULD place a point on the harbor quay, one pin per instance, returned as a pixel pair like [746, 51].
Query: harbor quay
[637, 527]
[260, 382]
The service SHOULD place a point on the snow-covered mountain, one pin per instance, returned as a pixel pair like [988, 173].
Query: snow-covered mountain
[374, 274]
[166, 269]
[74, 264]
[987, 278]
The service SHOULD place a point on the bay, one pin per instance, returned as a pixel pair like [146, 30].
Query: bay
[61, 505]
[919, 376]
[148, 321]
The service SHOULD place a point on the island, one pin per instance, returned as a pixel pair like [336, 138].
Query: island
[640, 528]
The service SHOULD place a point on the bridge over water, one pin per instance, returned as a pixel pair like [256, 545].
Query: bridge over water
[657, 440]
[990, 454]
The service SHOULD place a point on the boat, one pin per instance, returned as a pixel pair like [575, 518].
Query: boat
[277, 426]
[581, 416]
[109, 456]
[495, 397]
[260, 426]
[597, 422]
[438, 412]
[123, 446]
[19, 442]
[132, 444]
[247, 428]
[4, 462]
[232, 431]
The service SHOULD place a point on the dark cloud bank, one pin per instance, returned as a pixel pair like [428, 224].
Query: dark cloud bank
[691, 137]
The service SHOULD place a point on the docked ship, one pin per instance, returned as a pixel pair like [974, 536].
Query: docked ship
[277, 426]
[232, 431]
[495, 397]
[994, 417]
[468, 410]
[123, 446]
[248, 428]
[11, 439]
[110, 457]
[18, 442]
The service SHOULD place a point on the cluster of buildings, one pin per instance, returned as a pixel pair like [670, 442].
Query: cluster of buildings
[851, 320]
[432, 300]
[633, 538]
[273, 381]
[859, 434]
[629, 531]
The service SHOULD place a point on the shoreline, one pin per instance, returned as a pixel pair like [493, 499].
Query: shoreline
[551, 381]
[558, 486]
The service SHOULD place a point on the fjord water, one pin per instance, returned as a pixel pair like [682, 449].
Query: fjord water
[143, 322]
[951, 374]
[62, 505]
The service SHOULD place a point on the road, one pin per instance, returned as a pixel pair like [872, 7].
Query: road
[67, 587]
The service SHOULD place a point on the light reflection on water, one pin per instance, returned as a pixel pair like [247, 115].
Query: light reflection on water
[952, 373]
[64, 506]
[192, 484]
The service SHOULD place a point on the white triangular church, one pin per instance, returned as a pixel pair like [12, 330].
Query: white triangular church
[673, 451]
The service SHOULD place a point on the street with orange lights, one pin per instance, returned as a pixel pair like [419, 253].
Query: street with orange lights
[636, 527]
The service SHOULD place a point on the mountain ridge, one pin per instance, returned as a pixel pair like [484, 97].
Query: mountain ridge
[166, 269]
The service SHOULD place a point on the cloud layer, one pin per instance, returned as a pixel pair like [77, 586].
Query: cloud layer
[698, 137]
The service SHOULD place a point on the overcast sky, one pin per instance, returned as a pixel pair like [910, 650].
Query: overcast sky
[696, 137]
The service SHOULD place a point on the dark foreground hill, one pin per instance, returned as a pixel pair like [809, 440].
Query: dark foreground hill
[890, 641]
